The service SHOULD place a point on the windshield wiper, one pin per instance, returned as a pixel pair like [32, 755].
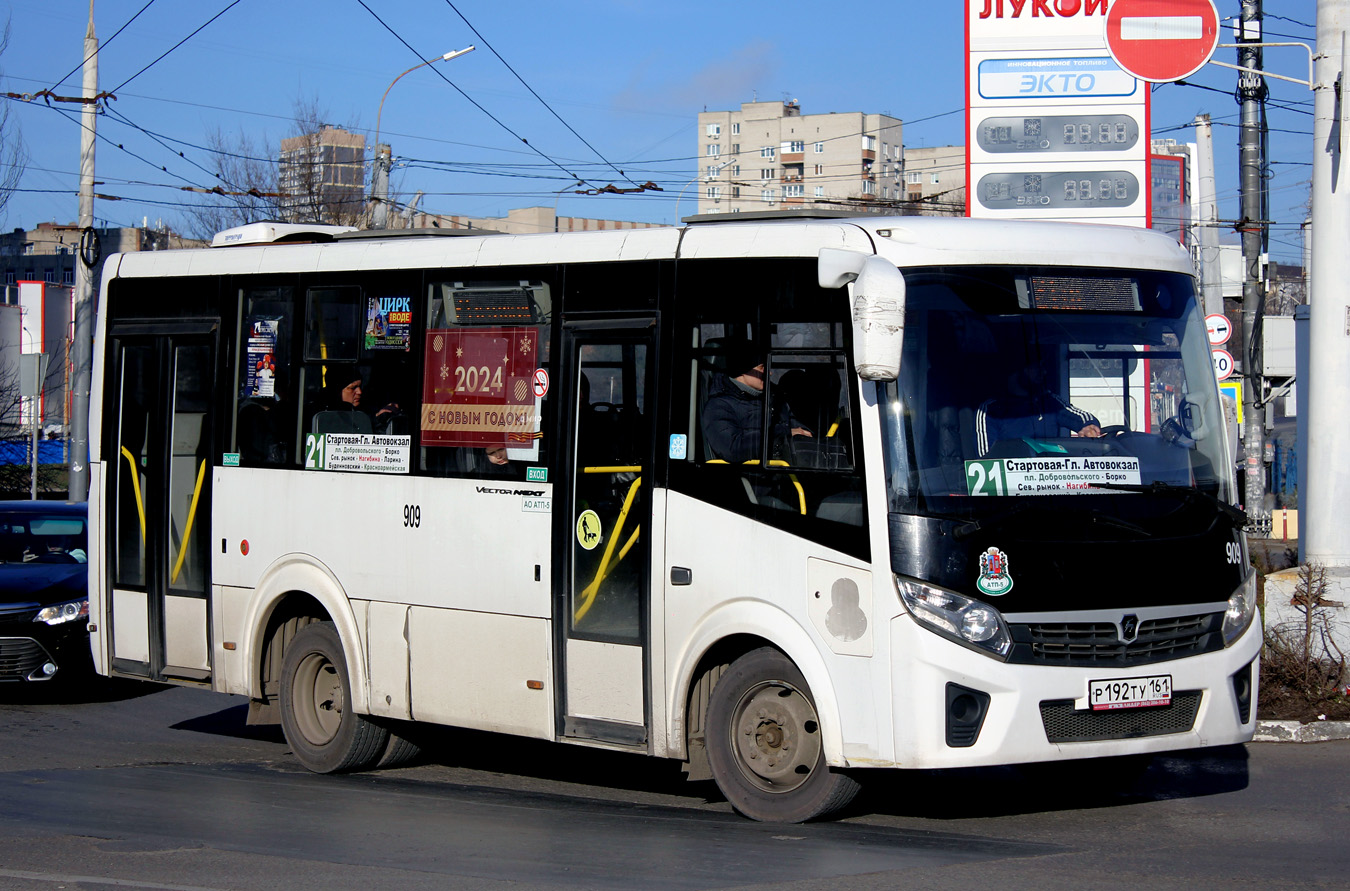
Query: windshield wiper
[1236, 515]
[996, 520]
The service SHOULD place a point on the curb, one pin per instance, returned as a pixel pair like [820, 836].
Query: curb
[1293, 731]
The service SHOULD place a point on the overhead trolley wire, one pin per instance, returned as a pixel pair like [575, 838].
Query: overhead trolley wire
[100, 47]
[470, 99]
[232, 5]
[483, 40]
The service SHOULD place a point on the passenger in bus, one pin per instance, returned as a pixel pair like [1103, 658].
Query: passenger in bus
[349, 394]
[341, 411]
[1029, 410]
[733, 417]
[261, 433]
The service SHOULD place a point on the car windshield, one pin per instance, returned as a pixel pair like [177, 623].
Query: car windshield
[1049, 382]
[42, 538]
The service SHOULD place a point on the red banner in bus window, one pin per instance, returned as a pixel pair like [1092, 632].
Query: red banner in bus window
[478, 386]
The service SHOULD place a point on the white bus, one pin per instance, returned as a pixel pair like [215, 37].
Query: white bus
[489, 481]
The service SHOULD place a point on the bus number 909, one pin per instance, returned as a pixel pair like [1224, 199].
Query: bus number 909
[412, 516]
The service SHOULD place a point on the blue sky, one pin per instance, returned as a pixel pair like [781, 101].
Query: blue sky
[628, 76]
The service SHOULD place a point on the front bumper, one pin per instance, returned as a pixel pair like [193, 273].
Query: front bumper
[26, 652]
[1015, 730]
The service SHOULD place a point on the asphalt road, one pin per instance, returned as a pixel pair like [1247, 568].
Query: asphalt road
[147, 787]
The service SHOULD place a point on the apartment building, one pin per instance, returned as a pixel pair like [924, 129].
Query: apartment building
[48, 253]
[935, 181]
[322, 177]
[770, 156]
[521, 221]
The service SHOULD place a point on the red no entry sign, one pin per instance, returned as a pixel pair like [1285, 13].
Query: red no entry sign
[1162, 40]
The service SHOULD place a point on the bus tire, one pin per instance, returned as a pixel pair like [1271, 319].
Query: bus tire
[320, 726]
[764, 743]
[399, 751]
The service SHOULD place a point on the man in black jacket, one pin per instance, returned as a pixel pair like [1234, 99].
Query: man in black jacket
[733, 418]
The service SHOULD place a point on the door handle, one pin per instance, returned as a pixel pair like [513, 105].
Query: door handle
[679, 575]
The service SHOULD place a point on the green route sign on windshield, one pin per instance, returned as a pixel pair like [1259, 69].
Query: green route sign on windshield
[1048, 475]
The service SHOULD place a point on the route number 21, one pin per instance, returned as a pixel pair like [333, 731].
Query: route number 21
[985, 478]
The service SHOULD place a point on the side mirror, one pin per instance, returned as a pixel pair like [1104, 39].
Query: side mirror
[878, 308]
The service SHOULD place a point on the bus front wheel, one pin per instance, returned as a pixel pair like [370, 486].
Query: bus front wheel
[325, 734]
[764, 743]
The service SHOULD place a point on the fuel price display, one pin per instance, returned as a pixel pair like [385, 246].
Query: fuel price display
[1058, 133]
[1062, 190]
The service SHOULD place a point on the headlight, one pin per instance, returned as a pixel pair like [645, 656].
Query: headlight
[63, 612]
[966, 621]
[1241, 610]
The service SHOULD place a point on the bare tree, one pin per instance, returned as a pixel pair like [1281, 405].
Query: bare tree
[16, 436]
[13, 158]
[317, 176]
[246, 186]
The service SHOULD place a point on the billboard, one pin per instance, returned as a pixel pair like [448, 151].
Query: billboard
[1055, 129]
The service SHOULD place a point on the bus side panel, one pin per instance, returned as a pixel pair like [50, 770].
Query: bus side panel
[386, 633]
[754, 581]
[451, 543]
[484, 671]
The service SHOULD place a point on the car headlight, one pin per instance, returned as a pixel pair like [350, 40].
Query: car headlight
[1241, 610]
[58, 613]
[962, 619]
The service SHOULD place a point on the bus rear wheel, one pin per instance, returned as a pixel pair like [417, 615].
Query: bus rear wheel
[764, 743]
[316, 716]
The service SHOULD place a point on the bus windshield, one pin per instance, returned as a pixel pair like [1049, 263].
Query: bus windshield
[1043, 382]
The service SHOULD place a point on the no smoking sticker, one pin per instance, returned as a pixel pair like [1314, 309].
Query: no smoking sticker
[540, 383]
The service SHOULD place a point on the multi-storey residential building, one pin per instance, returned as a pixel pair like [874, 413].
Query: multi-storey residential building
[770, 156]
[48, 253]
[935, 181]
[521, 221]
[322, 177]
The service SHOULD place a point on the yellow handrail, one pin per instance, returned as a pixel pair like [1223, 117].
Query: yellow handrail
[136, 488]
[590, 591]
[187, 528]
[774, 462]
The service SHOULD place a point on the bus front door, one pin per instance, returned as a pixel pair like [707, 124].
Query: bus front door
[604, 602]
[159, 494]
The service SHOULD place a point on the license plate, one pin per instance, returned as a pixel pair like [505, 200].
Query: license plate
[1130, 692]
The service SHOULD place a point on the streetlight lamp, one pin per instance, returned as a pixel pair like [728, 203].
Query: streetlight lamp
[712, 173]
[380, 183]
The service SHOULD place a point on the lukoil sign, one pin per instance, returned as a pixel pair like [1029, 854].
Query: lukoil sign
[1014, 9]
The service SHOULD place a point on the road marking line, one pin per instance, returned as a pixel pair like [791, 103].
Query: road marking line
[97, 880]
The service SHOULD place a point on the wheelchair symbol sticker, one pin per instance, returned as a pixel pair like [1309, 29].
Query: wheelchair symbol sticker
[588, 529]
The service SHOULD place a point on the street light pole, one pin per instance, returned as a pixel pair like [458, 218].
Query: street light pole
[380, 179]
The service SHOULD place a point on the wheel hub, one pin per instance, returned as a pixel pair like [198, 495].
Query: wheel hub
[777, 737]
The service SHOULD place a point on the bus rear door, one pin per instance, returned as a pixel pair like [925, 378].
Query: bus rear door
[159, 436]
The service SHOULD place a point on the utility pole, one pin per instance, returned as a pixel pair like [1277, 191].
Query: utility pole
[1206, 203]
[1251, 92]
[1326, 529]
[82, 348]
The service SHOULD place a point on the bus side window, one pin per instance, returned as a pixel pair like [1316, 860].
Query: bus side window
[762, 352]
[264, 434]
[486, 359]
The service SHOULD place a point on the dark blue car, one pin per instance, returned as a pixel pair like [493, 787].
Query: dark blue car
[44, 590]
